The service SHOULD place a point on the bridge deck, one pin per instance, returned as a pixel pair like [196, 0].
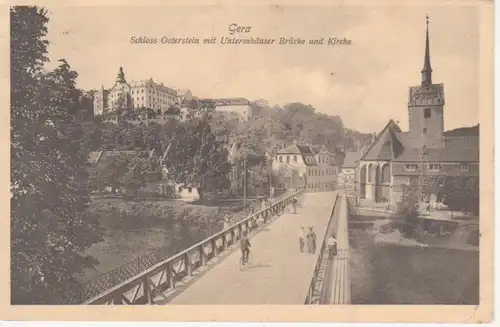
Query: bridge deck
[278, 272]
[341, 284]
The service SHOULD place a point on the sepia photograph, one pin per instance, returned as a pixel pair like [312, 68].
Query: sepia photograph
[290, 155]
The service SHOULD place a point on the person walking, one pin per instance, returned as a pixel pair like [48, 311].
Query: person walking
[302, 238]
[294, 205]
[332, 246]
[227, 220]
[311, 241]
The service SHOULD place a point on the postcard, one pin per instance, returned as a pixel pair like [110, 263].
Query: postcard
[231, 161]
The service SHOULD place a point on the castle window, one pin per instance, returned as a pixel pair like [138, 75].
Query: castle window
[427, 113]
[410, 167]
[434, 167]
[464, 167]
[424, 130]
[287, 159]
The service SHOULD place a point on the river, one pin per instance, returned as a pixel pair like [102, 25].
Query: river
[395, 270]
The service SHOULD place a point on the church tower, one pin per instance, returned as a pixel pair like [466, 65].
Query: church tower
[425, 106]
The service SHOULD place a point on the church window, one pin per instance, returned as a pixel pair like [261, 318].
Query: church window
[386, 173]
[295, 158]
[427, 113]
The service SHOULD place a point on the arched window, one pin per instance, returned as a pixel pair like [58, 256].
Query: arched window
[370, 173]
[386, 173]
[362, 177]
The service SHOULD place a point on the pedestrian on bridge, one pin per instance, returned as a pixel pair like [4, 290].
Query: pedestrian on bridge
[332, 246]
[311, 241]
[294, 205]
[302, 236]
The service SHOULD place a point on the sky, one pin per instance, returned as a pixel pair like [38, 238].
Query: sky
[365, 83]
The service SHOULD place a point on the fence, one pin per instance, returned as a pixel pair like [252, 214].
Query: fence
[317, 289]
[163, 276]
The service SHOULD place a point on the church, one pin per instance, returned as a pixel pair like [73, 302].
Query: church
[396, 158]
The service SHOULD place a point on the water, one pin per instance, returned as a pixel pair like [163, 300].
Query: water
[387, 268]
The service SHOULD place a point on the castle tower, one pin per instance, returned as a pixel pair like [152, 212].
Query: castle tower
[425, 106]
[121, 77]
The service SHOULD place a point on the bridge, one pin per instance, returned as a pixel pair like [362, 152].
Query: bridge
[278, 273]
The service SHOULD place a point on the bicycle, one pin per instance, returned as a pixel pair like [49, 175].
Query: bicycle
[242, 262]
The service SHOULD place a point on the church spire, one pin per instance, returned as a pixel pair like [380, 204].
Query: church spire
[427, 70]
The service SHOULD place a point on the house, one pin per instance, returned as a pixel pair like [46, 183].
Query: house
[396, 158]
[347, 174]
[302, 167]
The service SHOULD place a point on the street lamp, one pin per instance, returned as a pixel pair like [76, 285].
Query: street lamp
[269, 156]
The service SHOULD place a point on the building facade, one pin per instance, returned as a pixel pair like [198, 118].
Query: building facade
[396, 159]
[302, 167]
[347, 174]
[239, 107]
[139, 94]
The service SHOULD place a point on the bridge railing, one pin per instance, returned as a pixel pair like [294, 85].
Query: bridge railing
[313, 294]
[163, 276]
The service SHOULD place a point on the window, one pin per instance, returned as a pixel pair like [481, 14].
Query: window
[410, 167]
[427, 113]
[281, 159]
[464, 167]
[433, 167]
[287, 159]
[424, 130]
[295, 158]
[386, 173]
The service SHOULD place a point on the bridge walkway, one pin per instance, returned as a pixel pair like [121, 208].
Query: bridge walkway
[278, 272]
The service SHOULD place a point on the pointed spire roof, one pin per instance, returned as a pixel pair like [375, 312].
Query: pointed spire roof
[427, 70]
[121, 76]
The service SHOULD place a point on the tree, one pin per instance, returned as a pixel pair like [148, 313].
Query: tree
[138, 172]
[198, 157]
[462, 194]
[111, 173]
[49, 223]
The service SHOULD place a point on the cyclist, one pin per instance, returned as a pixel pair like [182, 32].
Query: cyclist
[245, 246]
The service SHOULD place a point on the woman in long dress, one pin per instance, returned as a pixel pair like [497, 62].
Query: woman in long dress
[311, 241]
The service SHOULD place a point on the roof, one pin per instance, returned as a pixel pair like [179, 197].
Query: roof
[297, 149]
[387, 145]
[351, 159]
[304, 150]
[446, 154]
[463, 131]
[230, 101]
